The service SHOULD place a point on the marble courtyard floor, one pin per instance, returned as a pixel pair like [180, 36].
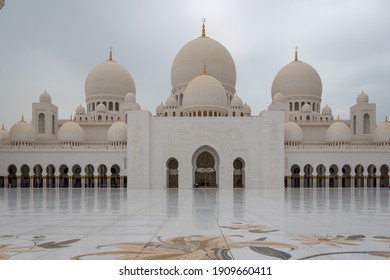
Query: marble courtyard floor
[194, 224]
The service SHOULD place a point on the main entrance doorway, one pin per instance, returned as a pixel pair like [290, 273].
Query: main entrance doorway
[205, 173]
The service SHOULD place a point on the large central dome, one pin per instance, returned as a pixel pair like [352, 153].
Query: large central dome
[195, 54]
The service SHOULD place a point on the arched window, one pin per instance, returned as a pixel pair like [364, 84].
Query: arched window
[41, 123]
[181, 99]
[234, 114]
[366, 124]
[291, 106]
[296, 106]
[93, 106]
[308, 118]
[53, 123]
[116, 106]
[110, 106]
[354, 125]
[174, 114]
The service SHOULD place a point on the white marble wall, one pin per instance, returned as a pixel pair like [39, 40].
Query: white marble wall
[258, 141]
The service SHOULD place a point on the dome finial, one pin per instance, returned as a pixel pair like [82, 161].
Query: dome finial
[203, 27]
[204, 69]
[22, 120]
[296, 54]
[110, 58]
[385, 119]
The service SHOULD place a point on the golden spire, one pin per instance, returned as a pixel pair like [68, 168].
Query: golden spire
[296, 54]
[204, 69]
[203, 27]
[110, 58]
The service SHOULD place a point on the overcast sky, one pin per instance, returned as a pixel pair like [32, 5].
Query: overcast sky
[53, 45]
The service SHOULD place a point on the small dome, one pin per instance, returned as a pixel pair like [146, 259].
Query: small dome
[306, 108]
[338, 132]
[292, 132]
[117, 132]
[80, 110]
[327, 110]
[171, 102]
[362, 98]
[382, 132]
[22, 132]
[45, 97]
[130, 97]
[71, 132]
[205, 91]
[101, 108]
[195, 54]
[4, 135]
[109, 78]
[297, 79]
[247, 109]
[278, 97]
[236, 102]
[160, 109]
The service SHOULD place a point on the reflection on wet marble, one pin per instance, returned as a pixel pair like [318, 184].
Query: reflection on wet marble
[195, 224]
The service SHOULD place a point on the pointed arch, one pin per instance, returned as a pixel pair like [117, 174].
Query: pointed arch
[172, 173]
[205, 167]
[238, 173]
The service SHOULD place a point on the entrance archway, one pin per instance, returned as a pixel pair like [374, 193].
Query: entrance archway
[384, 179]
[76, 169]
[25, 178]
[172, 173]
[205, 173]
[115, 176]
[12, 179]
[50, 177]
[238, 173]
[295, 177]
[38, 179]
[371, 178]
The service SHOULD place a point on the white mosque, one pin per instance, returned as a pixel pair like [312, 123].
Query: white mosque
[203, 135]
